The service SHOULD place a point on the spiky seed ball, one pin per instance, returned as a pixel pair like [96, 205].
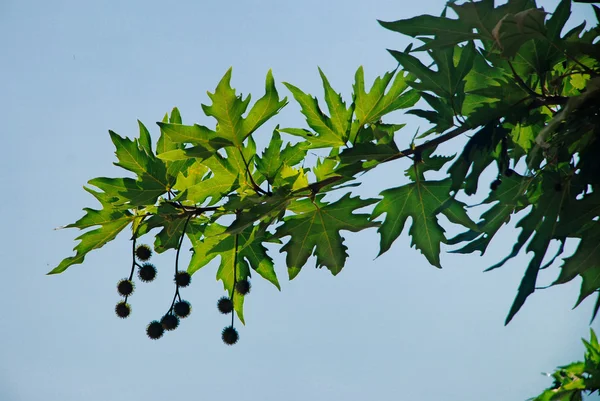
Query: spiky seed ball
[495, 184]
[225, 305]
[143, 252]
[243, 287]
[509, 172]
[169, 322]
[147, 272]
[183, 278]
[230, 335]
[155, 330]
[123, 309]
[182, 309]
[125, 287]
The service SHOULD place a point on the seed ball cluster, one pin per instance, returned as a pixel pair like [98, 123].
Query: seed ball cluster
[225, 305]
[155, 330]
[123, 309]
[169, 322]
[182, 309]
[230, 335]
[183, 278]
[125, 287]
[243, 287]
[147, 272]
[495, 184]
[143, 252]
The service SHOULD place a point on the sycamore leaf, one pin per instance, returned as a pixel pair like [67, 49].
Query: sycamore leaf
[427, 162]
[315, 230]
[199, 186]
[200, 136]
[131, 192]
[325, 167]
[291, 178]
[447, 32]
[484, 15]
[152, 173]
[166, 145]
[133, 157]
[584, 262]
[341, 116]
[419, 200]
[111, 222]
[274, 158]
[476, 156]
[508, 199]
[372, 105]
[227, 108]
[447, 80]
[171, 220]
[330, 131]
[540, 224]
[265, 108]
[257, 208]
[251, 254]
[186, 154]
[368, 151]
[515, 29]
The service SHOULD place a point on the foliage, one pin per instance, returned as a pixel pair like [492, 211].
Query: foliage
[526, 91]
[573, 381]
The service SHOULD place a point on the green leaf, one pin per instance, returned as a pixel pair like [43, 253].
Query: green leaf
[129, 191]
[227, 108]
[151, 172]
[584, 262]
[507, 200]
[325, 167]
[165, 146]
[365, 152]
[315, 229]
[513, 30]
[447, 32]
[476, 156]
[133, 157]
[330, 131]
[171, 220]
[372, 105]
[251, 254]
[540, 224]
[198, 186]
[258, 208]
[447, 81]
[111, 222]
[199, 135]
[274, 158]
[427, 162]
[341, 116]
[420, 201]
[265, 108]
[484, 16]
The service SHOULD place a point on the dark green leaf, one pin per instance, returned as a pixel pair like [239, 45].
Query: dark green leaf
[315, 229]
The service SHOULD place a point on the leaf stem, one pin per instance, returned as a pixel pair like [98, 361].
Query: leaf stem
[194, 210]
[187, 220]
[235, 240]
[522, 83]
[257, 189]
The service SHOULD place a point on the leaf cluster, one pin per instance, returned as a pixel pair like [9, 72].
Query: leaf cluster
[578, 379]
[525, 91]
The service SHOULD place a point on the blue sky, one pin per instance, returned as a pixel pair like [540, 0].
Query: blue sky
[390, 328]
